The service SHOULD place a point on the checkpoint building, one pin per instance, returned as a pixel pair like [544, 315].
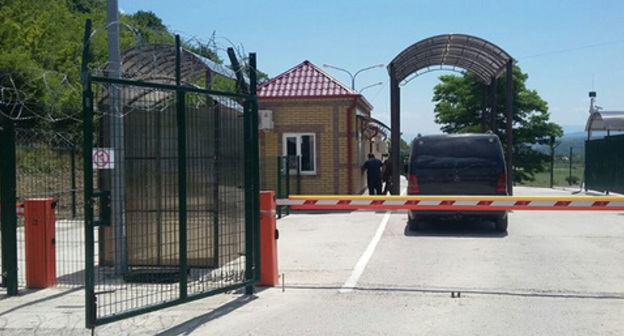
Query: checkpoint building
[323, 126]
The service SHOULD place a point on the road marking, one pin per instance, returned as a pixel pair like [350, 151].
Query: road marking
[350, 284]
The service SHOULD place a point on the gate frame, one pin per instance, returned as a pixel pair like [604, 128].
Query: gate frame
[8, 196]
[251, 194]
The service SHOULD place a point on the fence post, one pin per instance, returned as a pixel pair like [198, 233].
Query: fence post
[8, 218]
[182, 204]
[298, 174]
[570, 174]
[279, 184]
[87, 144]
[287, 181]
[73, 180]
[552, 160]
[256, 158]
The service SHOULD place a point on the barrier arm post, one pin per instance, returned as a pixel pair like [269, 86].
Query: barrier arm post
[268, 240]
[40, 242]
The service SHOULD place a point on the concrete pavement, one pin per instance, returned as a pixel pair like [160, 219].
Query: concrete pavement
[537, 288]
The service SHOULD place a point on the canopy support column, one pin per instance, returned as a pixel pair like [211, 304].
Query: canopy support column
[395, 131]
[509, 126]
[493, 109]
[484, 95]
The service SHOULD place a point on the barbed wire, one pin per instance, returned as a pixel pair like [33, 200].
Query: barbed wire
[51, 96]
[39, 95]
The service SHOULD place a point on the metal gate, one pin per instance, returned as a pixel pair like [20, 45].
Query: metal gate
[604, 164]
[171, 175]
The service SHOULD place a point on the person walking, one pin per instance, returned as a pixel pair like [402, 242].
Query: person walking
[386, 176]
[372, 166]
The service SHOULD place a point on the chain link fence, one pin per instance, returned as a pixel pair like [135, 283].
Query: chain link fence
[566, 170]
[49, 165]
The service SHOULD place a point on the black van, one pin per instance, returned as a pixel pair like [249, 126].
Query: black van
[457, 164]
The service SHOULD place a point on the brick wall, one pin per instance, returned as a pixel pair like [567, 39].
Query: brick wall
[327, 119]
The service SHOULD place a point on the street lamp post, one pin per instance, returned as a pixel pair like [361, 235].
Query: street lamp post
[370, 86]
[355, 74]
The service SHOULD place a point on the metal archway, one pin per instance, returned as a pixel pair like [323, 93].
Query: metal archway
[471, 53]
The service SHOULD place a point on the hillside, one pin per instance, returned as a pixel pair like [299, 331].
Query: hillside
[41, 47]
[575, 140]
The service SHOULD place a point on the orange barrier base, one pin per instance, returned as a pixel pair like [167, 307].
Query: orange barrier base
[268, 240]
[39, 231]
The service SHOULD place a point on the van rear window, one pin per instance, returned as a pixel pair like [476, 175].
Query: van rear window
[457, 152]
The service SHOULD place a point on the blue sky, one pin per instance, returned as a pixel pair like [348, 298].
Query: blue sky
[567, 48]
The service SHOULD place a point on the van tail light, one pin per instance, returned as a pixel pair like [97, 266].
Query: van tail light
[412, 185]
[501, 183]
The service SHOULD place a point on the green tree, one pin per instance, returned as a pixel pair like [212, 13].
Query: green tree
[41, 46]
[86, 6]
[458, 110]
[404, 150]
[149, 29]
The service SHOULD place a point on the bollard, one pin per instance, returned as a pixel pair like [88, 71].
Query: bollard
[268, 239]
[39, 234]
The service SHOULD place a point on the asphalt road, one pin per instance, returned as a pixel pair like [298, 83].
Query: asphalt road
[364, 273]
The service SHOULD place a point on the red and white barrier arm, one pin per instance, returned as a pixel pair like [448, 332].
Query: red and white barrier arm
[476, 203]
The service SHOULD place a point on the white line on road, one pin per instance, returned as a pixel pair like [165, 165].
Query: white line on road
[350, 284]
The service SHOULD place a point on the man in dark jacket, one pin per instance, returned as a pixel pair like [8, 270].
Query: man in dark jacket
[372, 166]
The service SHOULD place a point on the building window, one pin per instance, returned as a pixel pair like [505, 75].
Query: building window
[301, 146]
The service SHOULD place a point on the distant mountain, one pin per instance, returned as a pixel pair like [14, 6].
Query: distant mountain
[576, 140]
[570, 129]
[573, 136]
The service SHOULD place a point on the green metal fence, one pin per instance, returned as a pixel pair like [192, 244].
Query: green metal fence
[565, 171]
[49, 165]
[288, 180]
[174, 213]
[604, 164]
[281, 174]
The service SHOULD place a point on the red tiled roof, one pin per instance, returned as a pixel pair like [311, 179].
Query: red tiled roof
[304, 80]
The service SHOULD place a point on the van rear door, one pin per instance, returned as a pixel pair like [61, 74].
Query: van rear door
[454, 165]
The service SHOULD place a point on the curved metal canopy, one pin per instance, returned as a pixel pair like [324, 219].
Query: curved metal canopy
[605, 121]
[156, 63]
[474, 54]
[376, 125]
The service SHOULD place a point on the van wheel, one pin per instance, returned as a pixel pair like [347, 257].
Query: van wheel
[502, 223]
[413, 224]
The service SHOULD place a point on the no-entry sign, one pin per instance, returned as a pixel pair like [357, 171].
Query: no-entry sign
[103, 158]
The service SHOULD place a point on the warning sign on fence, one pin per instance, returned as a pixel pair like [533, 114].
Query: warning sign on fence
[103, 158]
